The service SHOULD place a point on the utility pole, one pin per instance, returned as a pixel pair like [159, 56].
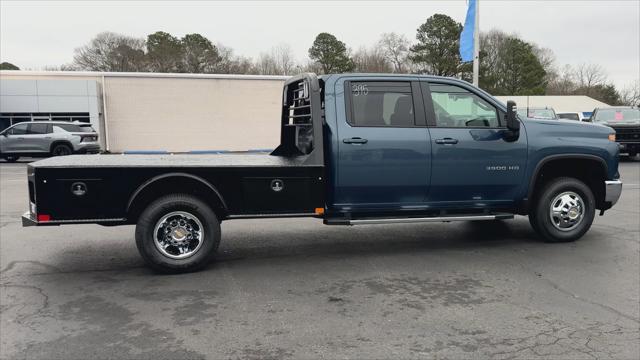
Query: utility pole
[476, 46]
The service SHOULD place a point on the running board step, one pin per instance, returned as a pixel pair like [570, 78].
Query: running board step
[409, 220]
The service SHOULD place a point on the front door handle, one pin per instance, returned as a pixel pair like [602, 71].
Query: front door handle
[355, 140]
[447, 141]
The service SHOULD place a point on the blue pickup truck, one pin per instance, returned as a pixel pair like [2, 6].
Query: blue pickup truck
[354, 149]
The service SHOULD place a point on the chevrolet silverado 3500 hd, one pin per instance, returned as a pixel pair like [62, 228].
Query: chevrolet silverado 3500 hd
[354, 149]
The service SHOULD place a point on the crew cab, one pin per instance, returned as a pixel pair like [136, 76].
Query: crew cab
[354, 149]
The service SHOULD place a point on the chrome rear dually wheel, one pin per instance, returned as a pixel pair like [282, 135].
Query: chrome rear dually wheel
[177, 233]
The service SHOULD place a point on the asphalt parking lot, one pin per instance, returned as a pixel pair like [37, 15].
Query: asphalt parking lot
[299, 289]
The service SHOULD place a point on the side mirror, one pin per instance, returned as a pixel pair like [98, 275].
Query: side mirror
[512, 120]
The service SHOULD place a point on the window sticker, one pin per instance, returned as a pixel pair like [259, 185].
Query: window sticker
[619, 115]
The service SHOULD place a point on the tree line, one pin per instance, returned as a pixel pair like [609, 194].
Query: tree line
[509, 65]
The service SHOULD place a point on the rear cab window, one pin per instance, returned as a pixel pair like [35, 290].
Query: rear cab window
[381, 104]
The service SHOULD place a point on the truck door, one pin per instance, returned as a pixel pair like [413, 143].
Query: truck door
[383, 145]
[472, 162]
[14, 139]
[38, 137]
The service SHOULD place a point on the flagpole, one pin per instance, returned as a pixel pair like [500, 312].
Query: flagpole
[476, 45]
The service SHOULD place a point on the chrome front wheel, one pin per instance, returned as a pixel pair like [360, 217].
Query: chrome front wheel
[178, 235]
[566, 211]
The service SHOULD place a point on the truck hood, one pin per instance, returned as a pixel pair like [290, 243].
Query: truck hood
[566, 128]
[622, 124]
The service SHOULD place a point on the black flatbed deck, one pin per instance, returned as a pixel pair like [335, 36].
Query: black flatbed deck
[115, 183]
[170, 161]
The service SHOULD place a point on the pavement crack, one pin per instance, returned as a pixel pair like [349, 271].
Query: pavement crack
[602, 306]
[33, 262]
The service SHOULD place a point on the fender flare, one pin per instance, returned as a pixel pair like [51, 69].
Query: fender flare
[550, 158]
[175, 175]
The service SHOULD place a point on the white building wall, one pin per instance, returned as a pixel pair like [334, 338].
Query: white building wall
[173, 112]
[560, 103]
[183, 114]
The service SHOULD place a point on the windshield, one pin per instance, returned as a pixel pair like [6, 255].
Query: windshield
[538, 113]
[569, 116]
[617, 116]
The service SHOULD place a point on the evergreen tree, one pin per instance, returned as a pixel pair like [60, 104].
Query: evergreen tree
[437, 50]
[331, 54]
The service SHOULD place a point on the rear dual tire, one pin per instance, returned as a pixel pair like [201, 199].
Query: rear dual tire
[563, 211]
[177, 233]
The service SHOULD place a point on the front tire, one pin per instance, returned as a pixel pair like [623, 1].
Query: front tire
[177, 233]
[564, 210]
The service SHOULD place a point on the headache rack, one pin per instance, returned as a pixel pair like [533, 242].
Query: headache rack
[301, 127]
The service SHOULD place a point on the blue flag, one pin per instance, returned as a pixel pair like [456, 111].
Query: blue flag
[466, 36]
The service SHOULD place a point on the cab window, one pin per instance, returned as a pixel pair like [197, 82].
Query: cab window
[381, 104]
[20, 129]
[457, 107]
[39, 129]
[62, 128]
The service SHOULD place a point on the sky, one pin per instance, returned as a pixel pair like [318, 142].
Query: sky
[36, 34]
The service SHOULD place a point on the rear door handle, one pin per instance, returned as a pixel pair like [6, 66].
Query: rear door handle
[447, 141]
[355, 140]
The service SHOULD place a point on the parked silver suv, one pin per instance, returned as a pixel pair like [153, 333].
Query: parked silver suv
[47, 138]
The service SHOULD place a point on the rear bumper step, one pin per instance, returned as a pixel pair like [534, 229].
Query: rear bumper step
[409, 220]
[29, 220]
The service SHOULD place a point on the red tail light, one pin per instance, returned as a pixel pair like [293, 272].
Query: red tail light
[44, 218]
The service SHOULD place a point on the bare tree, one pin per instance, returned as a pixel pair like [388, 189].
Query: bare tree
[545, 56]
[278, 61]
[284, 59]
[563, 81]
[395, 49]
[111, 52]
[229, 63]
[371, 61]
[630, 95]
[63, 67]
[267, 65]
[311, 66]
[547, 59]
[590, 75]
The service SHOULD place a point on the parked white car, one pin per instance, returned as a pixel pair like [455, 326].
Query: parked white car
[577, 116]
[47, 138]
